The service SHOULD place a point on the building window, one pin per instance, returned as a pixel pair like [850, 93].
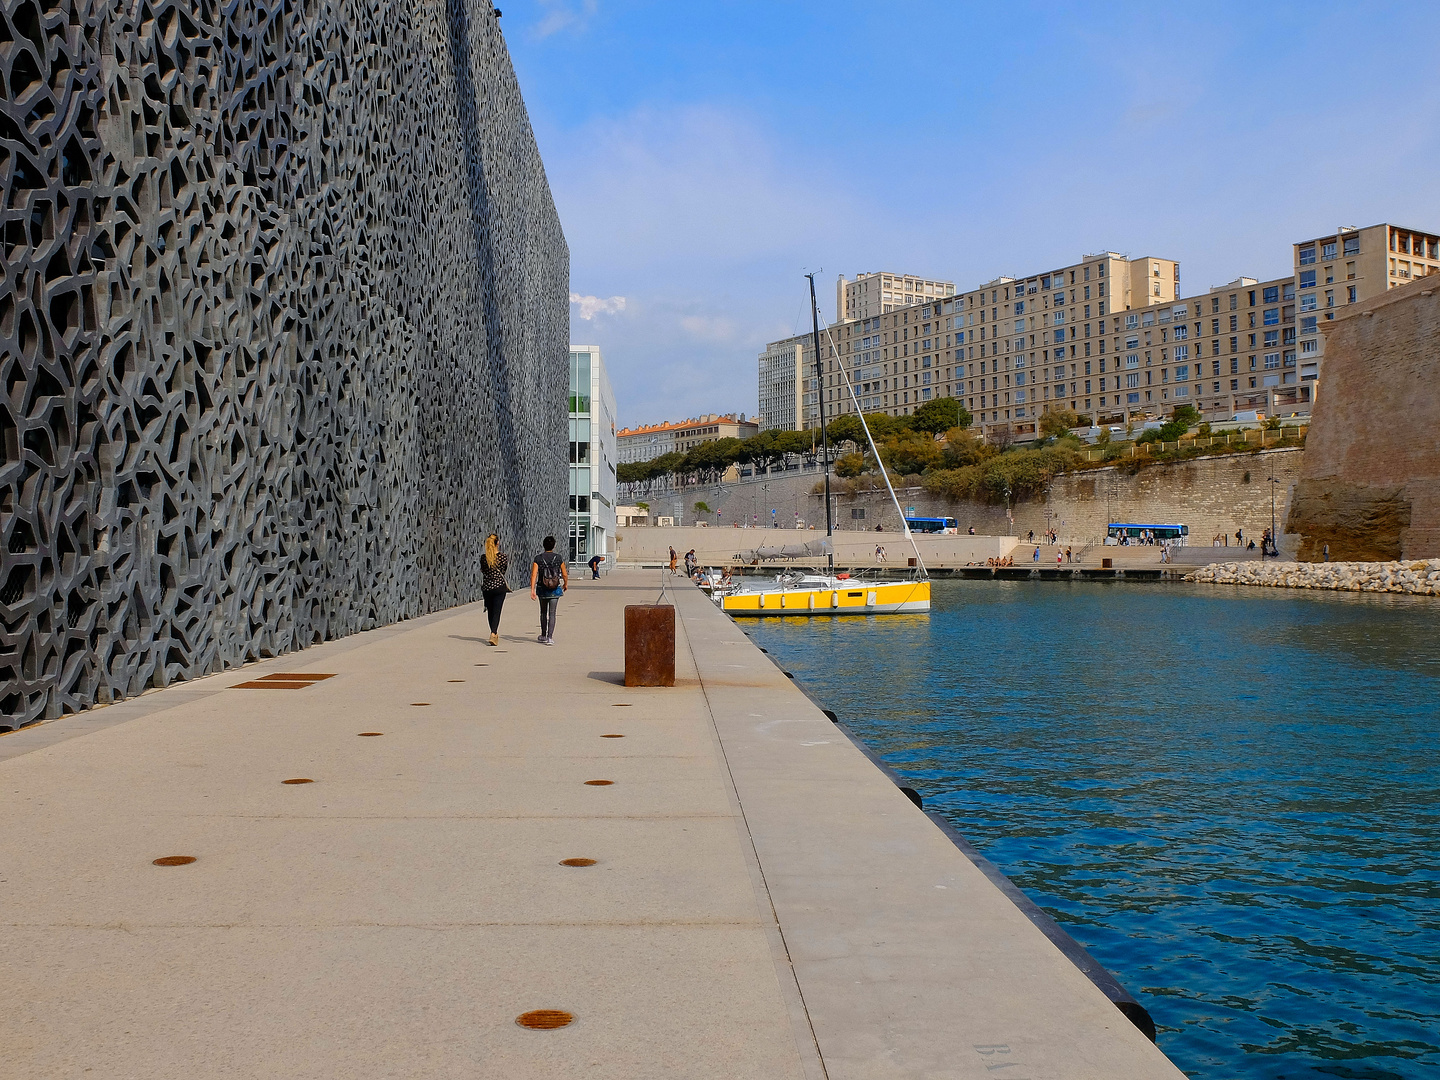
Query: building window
[1272, 315]
[1307, 255]
[1272, 359]
[1327, 250]
[1352, 245]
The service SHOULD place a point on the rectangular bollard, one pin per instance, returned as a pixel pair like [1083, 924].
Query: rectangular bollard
[649, 645]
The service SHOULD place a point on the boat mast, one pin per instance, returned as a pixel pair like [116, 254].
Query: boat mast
[824, 440]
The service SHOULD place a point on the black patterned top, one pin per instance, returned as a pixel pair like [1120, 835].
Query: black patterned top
[495, 575]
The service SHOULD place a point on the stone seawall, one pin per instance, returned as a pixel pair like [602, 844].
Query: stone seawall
[1212, 495]
[1421, 578]
[1371, 485]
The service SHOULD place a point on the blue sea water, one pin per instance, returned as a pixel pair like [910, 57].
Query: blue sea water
[1230, 796]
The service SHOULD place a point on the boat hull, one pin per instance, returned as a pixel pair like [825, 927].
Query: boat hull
[868, 598]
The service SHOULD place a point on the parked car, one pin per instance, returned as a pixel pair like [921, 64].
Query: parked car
[1251, 417]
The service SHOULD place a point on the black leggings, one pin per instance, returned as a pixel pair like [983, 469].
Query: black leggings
[494, 601]
[549, 605]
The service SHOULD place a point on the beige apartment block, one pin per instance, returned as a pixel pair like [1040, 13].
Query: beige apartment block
[988, 346]
[1348, 267]
[1109, 337]
[874, 294]
[649, 441]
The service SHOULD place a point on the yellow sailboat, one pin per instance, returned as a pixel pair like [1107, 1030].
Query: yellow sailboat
[823, 594]
[832, 593]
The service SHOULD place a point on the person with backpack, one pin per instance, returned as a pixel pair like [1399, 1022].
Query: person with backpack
[493, 564]
[548, 582]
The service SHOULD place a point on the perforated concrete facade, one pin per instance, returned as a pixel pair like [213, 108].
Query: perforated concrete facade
[284, 331]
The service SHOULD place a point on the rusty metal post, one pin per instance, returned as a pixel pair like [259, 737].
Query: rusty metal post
[649, 645]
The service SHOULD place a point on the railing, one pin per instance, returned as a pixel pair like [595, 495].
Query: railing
[1252, 437]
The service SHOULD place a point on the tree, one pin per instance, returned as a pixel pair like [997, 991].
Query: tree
[1179, 423]
[845, 429]
[911, 452]
[963, 447]
[794, 442]
[852, 464]
[702, 508]
[760, 450]
[940, 414]
[1058, 422]
[643, 507]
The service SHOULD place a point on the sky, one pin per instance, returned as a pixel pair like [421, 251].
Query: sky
[704, 156]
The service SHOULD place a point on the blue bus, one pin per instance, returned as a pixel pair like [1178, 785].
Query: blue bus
[946, 525]
[1136, 532]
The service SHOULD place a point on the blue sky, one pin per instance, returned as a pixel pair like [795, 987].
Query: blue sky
[703, 156]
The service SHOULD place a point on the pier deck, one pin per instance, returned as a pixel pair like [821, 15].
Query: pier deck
[764, 902]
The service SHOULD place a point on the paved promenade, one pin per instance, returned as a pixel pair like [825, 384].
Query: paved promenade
[763, 902]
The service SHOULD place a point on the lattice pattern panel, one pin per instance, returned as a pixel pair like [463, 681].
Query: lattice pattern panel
[283, 331]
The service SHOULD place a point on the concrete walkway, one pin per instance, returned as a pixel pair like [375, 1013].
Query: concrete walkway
[763, 903]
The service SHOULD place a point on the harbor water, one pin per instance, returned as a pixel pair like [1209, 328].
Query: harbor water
[1229, 795]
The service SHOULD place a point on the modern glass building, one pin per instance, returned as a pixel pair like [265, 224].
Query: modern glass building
[592, 456]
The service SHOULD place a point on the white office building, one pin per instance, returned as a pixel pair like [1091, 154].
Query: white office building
[592, 456]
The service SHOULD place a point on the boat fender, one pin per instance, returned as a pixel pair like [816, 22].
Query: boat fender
[842, 577]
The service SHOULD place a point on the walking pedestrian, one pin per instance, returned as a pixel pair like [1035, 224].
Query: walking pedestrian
[493, 586]
[548, 581]
[595, 561]
[1326, 552]
[673, 557]
[1069, 555]
[1059, 557]
[879, 553]
[1036, 556]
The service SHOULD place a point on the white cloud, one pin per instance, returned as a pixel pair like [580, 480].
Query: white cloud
[563, 15]
[590, 306]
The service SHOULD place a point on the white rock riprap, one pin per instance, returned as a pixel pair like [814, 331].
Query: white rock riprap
[1420, 577]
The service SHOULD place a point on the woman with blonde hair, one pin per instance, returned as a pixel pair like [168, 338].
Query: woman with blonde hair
[493, 565]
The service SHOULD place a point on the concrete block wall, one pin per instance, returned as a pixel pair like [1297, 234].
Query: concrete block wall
[284, 327]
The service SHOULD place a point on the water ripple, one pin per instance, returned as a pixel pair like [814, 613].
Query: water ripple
[1230, 796]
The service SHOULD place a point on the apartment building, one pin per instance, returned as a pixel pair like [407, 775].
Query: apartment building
[874, 294]
[1351, 265]
[649, 441]
[988, 346]
[1110, 338]
[780, 382]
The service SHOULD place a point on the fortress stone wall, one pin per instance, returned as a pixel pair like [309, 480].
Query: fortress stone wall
[1211, 495]
[283, 331]
[1371, 484]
